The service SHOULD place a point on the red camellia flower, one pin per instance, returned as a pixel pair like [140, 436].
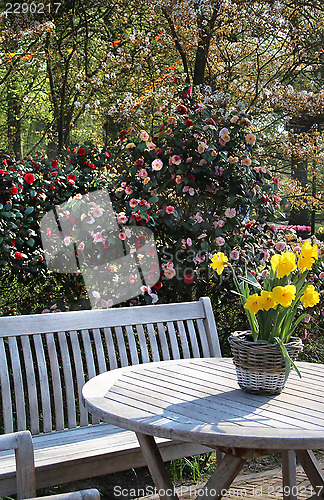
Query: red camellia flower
[14, 190]
[71, 179]
[18, 256]
[158, 285]
[92, 165]
[29, 178]
[188, 279]
[189, 122]
[2, 171]
[54, 164]
[181, 109]
[82, 152]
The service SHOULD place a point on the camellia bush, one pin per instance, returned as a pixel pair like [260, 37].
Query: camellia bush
[199, 186]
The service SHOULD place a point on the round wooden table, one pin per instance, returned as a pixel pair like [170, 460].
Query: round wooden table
[199, 400]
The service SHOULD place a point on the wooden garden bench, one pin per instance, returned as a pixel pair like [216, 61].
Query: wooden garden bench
[45, 359]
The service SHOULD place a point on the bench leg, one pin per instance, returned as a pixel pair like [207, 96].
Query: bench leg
[222, 478]
[289, 475]
[312, 469]
[156, 467]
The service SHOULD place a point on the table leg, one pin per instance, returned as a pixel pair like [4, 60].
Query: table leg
[313, 470]
[222, 478]
[156, 467]
[289, 475]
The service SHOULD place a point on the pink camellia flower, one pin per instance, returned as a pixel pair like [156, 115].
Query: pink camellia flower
[276, 181]
[191, 191]
[257, 169]
[123, 184]
[185, 189]
[157, 164]
[133, 202]
[189, 242]
[81, 246]
[67, 240]
[175, 160]
[321, 276]
[266, 254]
[280, 246]
[276, 199]
[128, 190]
[224, 136]
[223, 131]
[151, 146]
[234, 119]
[143, 173]
[128, 232]
[235, 255]
[97, 212]
[98, 238]
[106, 303]
[154, 297]
[230, 213]
[169, 209]
[219, 241]
[246, 162]
[250, 139]
[221, 223]
[201, 147]
[122, 218]
[264, 273]
[144, 135]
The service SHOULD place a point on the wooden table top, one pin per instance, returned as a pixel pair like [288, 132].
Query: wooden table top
[199, 400]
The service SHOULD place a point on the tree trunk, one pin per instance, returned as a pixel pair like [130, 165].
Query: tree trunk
[299, 173]
[14, 121]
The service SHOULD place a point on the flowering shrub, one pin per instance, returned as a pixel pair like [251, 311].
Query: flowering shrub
[28, 189]
[197, 185]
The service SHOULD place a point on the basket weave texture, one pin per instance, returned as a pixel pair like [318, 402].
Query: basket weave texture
[260, 367]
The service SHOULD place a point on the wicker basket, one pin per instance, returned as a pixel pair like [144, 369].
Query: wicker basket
[260, 367]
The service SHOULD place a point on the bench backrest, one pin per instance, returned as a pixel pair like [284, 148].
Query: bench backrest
[45, 359]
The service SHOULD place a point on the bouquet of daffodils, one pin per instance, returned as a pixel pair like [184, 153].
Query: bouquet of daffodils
[271, 309]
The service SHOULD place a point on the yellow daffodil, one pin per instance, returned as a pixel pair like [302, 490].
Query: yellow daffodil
[310, 297]
[307, 256]
[267, 301]
[253, 303]
[283, 264]
[284, 295]
[218, 262]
